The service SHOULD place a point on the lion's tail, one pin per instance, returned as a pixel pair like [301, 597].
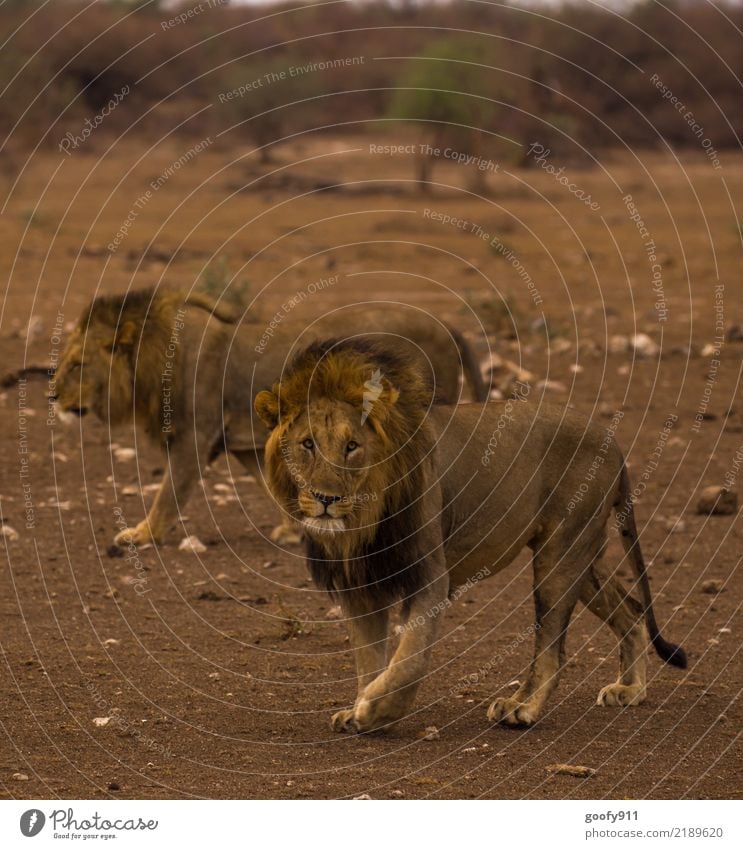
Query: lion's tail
[219, 310]
[668, 652]
[480, 390]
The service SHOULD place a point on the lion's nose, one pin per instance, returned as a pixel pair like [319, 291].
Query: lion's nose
[326, 500]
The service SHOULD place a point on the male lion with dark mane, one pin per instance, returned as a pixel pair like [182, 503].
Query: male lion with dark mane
[186, 370]
[401, 500]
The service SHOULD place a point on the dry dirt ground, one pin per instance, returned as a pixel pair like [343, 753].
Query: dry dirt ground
[219, 679]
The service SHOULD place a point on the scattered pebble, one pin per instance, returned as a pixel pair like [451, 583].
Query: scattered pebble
[362, 798]
[717, 501]
[570, 769]
[123, 455]
[551, 386]
[431, 733]
[713, 586]
[334, 613]
[725, 631]
[675, 525]
[619, 344]
[9, 533]
[193, 544]
[397, 794]
[114, 785]
[130, 490]
[710, 350]
[470, 749]
[20, 776]
[60, 505]
[101, 721]
[644, 346]
[111, 642]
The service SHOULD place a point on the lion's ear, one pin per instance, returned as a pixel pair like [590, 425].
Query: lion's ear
[126, 335]
[267, 407]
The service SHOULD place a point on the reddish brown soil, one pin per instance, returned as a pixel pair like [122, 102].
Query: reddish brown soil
[223, 674]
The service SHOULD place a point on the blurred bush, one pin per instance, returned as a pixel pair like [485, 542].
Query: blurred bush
[575, 78]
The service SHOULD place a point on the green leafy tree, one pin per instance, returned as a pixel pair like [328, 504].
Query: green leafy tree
[454, 100]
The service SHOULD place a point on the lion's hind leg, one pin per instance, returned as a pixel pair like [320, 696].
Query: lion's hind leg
[560, 567]
[605, 597]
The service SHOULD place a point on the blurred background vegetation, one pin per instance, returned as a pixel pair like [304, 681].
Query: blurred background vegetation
[576, 78]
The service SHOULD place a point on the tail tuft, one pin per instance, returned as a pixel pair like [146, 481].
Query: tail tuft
[670, 653]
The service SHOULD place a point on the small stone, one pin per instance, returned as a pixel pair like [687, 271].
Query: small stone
[9, 533]
[619, 344]
[725, 631]
[644, 346]
[192, 544]
[571, 769]
[551, 386]
[111, 642]
[515, 683]
[101, 721]
[362, 798]
[123, 455]
[710, 350]
[114, 785]
[431, 733]
[130, 490]
[717, 501]
[713, 586]
[334, 613]
[470, 749]
[397, 794]
[675, 525]
[20, 776]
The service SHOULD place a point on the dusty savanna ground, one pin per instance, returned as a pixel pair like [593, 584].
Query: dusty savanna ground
[221, 677]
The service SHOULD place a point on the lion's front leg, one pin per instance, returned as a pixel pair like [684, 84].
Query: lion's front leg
[368, 629]
[389, 696]
[187, 458]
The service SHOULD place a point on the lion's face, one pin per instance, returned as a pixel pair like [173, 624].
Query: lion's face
[333, 461]
[94, 373]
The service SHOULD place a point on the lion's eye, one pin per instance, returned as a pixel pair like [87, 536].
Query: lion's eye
[308, 444]
[351, 446]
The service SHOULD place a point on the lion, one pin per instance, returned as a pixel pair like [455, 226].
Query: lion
[403, 501]
[187, 370]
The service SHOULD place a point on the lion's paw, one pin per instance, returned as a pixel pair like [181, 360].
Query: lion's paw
[621, 695]
[139, 535]
[511, 711]
[344, 722]
[286, 535]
